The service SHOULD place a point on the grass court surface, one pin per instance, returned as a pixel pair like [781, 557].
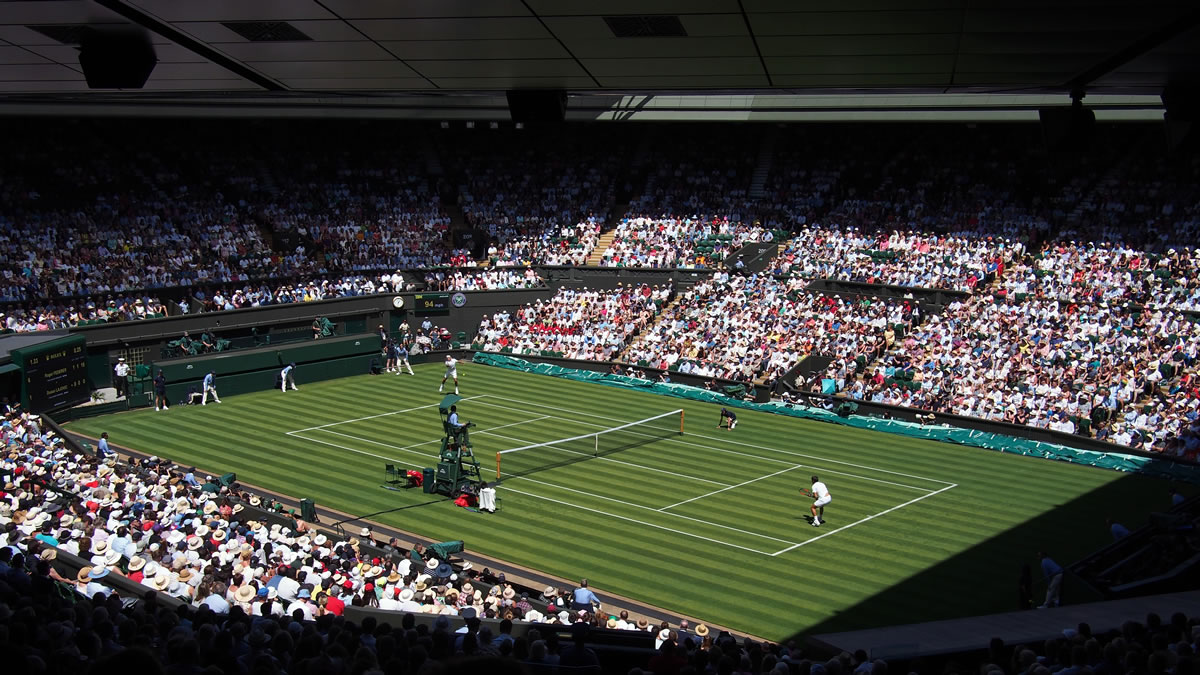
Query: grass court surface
[708, 524]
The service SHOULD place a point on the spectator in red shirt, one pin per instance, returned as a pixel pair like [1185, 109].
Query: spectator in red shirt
[334, 604]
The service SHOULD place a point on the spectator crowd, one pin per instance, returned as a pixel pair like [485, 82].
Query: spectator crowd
[220, 590]
[746, 328]
[1082, 272]
[593, 325]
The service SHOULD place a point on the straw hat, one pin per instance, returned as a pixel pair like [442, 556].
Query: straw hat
[701, 630]
[195, 543]
[406, 594]
[82, 575]
[245, 593]
[320, 540]
[185, 574]
[161, 580]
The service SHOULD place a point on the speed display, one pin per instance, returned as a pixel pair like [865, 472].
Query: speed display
[53, 374]
[431, 303]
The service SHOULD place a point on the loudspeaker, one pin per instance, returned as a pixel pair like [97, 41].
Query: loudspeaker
[116, 59]
[537, 106]
[1068, 129]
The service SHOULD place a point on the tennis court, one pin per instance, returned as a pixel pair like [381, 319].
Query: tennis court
[663, 514]
[719, 490]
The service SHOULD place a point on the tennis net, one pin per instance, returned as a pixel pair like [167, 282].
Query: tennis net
[528, 459]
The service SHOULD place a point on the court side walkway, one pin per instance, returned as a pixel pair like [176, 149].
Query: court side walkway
[1035, 625]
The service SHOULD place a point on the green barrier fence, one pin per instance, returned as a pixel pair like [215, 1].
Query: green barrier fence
[226, 363]
[1151, 466]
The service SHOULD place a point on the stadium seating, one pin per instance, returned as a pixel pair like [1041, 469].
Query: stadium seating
[227, 217]
[593, 325]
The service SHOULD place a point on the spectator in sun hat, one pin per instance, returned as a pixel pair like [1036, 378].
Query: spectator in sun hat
[303, 603]
[91, 577]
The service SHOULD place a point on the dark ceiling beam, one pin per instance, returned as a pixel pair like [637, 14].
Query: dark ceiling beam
[754, 40]
[187, 42]
[1148, 42]
[562, 44]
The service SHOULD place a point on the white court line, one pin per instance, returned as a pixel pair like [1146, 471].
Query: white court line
[613, 515]
[860, 522]
[752, 480]
[728, 451]
[651, 509]
[371, 417]
[609, 459]
[618, 501]
[361, 452]
[417, 445]
[639, 522]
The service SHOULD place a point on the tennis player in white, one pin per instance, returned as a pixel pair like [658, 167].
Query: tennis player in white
[821, 497]
[451, 373]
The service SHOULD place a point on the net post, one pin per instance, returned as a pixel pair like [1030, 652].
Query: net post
[498, 466]
[596, 445]
[681, 414]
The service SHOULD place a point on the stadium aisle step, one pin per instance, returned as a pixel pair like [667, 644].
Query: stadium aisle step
[637, 339]
[602, 245]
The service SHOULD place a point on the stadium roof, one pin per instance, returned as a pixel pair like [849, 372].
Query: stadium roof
[332, 48]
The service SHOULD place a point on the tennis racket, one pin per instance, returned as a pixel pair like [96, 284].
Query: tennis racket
[807, 493]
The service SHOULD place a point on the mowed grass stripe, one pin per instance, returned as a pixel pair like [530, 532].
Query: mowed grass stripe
[819, 582]
[564, 501]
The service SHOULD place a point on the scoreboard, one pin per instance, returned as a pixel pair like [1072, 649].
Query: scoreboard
[53, 374]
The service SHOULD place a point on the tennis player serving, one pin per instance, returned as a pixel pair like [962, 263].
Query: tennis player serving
[820, 495]
[451, 373]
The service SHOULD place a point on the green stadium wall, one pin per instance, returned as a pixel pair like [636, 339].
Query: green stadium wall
[1143, 463]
